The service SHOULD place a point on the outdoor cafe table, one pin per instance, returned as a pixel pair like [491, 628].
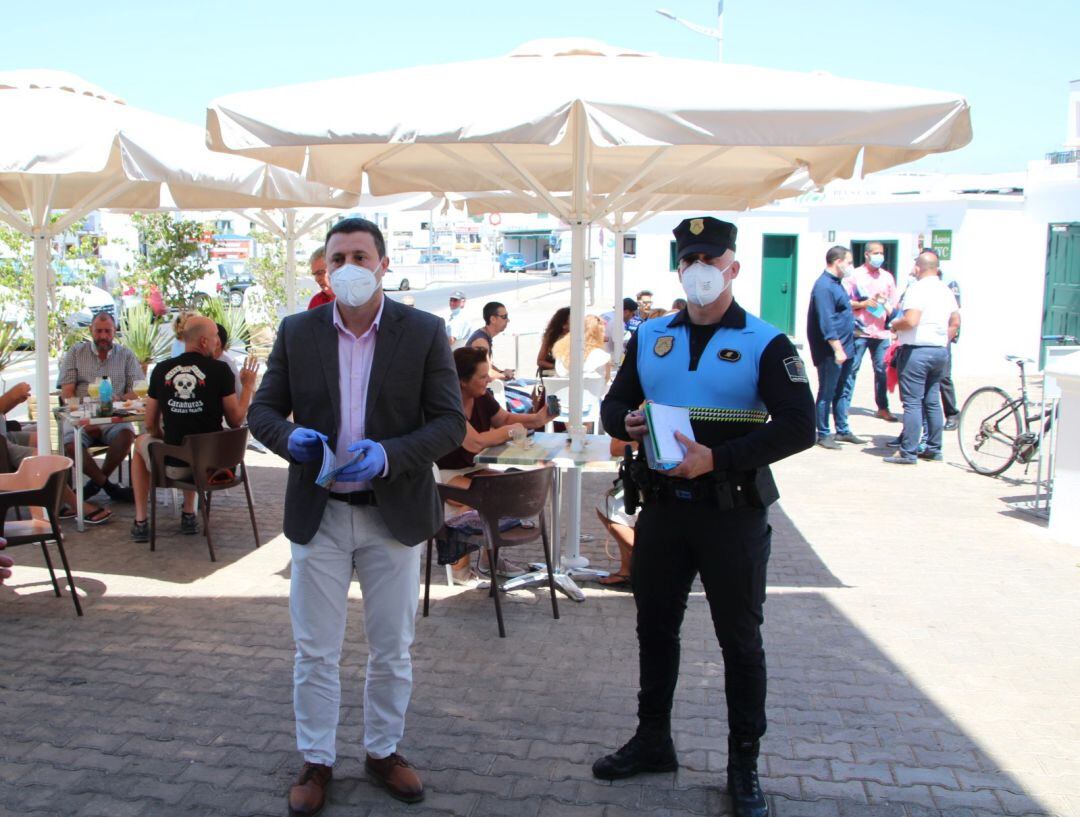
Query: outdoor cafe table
[77, 424]
[554, 450]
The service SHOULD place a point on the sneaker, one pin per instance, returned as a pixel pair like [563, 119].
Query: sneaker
[951, 423]
[893, 443]
[640, 754]
[505, 569]
[899, 459]
[931, 457]
[886, 415]
[848, 437]
[140, 531]
[118, 493]
[829, 441]
[189, 523]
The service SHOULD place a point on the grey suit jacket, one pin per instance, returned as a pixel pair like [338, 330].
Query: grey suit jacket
[413, 409]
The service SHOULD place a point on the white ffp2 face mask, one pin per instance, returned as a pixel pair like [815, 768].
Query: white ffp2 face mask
[704, 283]
[353, 285]
[876, 260]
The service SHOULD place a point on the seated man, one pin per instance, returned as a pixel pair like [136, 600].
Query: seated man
[16, 395]
[84, 364]
[188, 394]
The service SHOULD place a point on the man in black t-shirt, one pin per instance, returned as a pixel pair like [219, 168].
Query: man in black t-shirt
[189, 394]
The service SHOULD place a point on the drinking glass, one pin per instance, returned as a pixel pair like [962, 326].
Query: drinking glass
[519, 436]
[140, 388]
[93, 390]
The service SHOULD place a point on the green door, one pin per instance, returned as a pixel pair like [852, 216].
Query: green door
[1061, 293]
[779, 262]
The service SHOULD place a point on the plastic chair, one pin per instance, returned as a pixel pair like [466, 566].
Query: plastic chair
[514, 494]
[210, 455]
[39, 483]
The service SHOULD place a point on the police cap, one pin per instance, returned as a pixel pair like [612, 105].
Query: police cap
[704, 234]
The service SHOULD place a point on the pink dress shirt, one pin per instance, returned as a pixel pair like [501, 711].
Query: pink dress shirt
[355, 355]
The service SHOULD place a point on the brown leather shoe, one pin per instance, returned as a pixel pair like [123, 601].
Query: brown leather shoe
[886, 415]
[398, 776]
[308, 796]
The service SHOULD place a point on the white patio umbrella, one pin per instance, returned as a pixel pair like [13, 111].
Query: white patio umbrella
[67, 147]
[612, 128]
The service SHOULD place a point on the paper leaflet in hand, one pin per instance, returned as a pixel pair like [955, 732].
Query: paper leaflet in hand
[330, 469]
[662, 450]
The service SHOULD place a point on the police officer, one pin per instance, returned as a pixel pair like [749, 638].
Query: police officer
[750, 405]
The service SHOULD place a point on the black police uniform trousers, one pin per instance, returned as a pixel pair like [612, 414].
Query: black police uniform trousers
[673, 542]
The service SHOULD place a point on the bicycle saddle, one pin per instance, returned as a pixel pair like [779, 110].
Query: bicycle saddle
[1018, 359]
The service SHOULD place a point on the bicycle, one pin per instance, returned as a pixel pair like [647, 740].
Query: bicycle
[996, 429]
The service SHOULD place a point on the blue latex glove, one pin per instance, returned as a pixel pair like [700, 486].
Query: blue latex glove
[369, 467]
[305, 444]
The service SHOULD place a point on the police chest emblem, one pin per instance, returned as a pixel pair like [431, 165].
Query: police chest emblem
[663, 345]
[730, 355]
[796, 370]
[697, 226]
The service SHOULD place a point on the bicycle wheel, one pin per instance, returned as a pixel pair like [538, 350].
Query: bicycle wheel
[989, 425]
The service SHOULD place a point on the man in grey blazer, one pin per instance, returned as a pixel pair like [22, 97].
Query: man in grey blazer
[374, 381]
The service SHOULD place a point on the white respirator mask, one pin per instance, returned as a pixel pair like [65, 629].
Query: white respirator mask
[704, 283]
[353, 285]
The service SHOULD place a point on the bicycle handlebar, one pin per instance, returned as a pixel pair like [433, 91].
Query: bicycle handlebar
[1061, 338]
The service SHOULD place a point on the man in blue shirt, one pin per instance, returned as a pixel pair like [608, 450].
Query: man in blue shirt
[830, 326]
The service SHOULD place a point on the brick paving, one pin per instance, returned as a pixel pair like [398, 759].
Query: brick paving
[922, 644]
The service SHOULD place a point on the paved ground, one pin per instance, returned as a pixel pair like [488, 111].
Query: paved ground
[922, 646]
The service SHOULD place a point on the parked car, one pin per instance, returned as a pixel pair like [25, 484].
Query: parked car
[235, 280]
[438, 258]
[511, 262]
[395, 280]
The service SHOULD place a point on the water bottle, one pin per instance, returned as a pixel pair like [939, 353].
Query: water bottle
[105, 395]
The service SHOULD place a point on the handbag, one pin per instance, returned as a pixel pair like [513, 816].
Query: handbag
[539, 392]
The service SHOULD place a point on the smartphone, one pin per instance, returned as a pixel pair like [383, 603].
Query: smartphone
[553, 405]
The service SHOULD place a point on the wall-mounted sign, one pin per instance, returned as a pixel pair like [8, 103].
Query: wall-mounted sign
[941, 243]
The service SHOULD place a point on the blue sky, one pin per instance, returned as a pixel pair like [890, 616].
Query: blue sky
[1013, 61]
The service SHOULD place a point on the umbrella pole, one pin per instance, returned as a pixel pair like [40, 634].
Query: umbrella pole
[572, 557]
[290, 261]
[42, 257]
[616, 321]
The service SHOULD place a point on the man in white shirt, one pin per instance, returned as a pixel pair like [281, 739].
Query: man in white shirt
[458, 327]
[930, 321]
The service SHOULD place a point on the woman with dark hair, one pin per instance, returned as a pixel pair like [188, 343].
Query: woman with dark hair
[557, 327]
[487, 424]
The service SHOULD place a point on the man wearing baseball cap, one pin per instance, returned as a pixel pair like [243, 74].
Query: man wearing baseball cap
[750, 405]
[458, 327]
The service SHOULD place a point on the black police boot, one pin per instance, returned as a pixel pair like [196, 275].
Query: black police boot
[742, 779]
[644, 752]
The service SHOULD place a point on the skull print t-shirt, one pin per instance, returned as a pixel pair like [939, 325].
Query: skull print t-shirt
[189, 390]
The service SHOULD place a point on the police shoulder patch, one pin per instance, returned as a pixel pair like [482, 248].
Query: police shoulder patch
[796, 370]
[730, 355]
[663, 345]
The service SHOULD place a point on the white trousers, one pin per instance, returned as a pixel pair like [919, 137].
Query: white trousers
[352, 539]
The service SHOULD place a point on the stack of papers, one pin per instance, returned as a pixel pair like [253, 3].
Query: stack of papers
[662, 450]
[330, 469]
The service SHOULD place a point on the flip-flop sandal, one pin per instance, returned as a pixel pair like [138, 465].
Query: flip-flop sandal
[67, 513]
[615, 580]
[98, 517]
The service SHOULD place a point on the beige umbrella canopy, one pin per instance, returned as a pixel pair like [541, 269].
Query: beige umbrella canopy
[68, 146]
[614, 130]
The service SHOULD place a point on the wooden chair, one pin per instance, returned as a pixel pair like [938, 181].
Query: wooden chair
[215, 453]
[39, 483]
[514, 494]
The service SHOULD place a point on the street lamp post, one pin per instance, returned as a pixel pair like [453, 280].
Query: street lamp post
[715, 33]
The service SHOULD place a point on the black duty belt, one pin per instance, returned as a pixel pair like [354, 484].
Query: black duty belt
[722, 495]
[355, 497]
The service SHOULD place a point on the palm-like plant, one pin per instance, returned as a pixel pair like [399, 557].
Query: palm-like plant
[143, 335]
[232, 318]
[10, 341]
